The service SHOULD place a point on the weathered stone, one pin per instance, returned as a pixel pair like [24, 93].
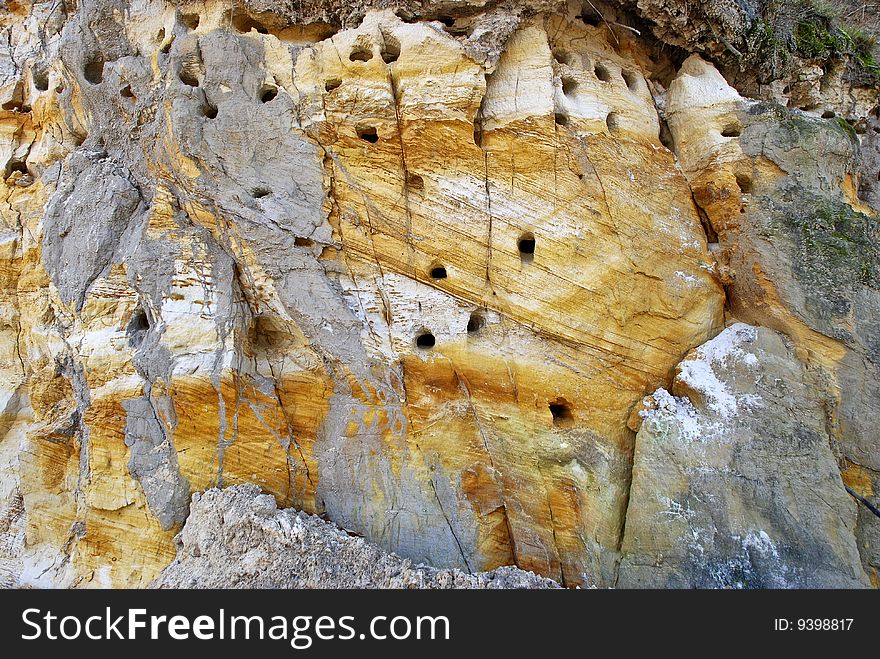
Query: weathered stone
[779, 188]
[411, 266]
[734, 477]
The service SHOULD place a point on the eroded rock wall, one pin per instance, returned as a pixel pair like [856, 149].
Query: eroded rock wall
[413, 267]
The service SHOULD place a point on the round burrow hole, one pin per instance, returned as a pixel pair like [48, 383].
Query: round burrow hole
[590, 16]
[368, 134]
[209, 111]
[613, 122]
[191, 21]
[390, 50]
[602, 73]
[569, 85]
[425, 340]
[187, 77]
[438, 272]
[744, 182]
[259, 193]
[333, 83]
[137, 328]
[561, 56]
[268, 93]
[476, 322]
[828, 114]
[526, 246]
[561, 119]
[561, 411]
[731, 130]
[631, 80]
[361, 53]
[41, 79]
[94, 69]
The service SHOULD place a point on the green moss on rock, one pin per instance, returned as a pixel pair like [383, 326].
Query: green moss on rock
[833, 250]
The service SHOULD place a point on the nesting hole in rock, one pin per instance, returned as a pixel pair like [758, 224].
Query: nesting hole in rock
[268, 93]
[561, 56]
[731, 130]
[438, 272]
[390, 50]
[259, 193]
[361, 53]
[569, 85]
[631, 80]
[448, 21]
[244, 24]
[828, 114]
[303, 242]
[187, 77]
[333, 83]
[94, 69]
[15, 166]
[425, 340]
[415, 182]
[209, 111]
[613, 122]
[744, 182]
[526, 246]
[368, 134]
[561, 119]
[41, 79]
[126, 92]
[191, 21]
[476, 322]
[561, 410]
[590, 16]
[138, 326]
[602, 73]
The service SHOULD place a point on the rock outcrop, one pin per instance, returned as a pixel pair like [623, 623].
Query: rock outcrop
[413, 267]
[734, 477]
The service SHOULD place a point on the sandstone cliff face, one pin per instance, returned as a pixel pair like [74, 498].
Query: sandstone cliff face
[415, 267]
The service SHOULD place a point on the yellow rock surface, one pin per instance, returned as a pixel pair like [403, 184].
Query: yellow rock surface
[266, 353]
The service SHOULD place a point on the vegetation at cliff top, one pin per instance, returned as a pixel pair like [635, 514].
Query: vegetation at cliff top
[835, 28]
[818, 29]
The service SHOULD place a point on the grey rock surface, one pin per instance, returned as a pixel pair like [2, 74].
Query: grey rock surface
[735, 480]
